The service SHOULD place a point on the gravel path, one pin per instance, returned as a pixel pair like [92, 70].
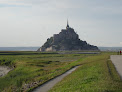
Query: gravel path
[117, 61]
[47, 86]
[4, 70]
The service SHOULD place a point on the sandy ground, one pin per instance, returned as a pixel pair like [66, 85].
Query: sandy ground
[47, 86]
[117, 61]
[4, 70]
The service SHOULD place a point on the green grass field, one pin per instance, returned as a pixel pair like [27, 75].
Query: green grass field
[96, 74]
[30, 69]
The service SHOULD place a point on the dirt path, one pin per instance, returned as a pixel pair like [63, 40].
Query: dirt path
[47, 86]
[4, 70]
[117, 61]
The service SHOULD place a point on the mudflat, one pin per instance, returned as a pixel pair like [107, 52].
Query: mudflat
[117, 61]
[4, 70]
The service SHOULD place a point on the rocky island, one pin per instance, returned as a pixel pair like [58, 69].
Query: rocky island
[66, 40]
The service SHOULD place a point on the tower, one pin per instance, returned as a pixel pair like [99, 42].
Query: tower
[67, 24]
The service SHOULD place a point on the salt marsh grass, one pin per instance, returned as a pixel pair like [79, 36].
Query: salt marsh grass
[31, 69]
[96, 74]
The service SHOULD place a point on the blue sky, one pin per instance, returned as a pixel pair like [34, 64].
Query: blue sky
[31, 22]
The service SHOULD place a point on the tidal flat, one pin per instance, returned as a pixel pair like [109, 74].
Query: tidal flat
[4, 70]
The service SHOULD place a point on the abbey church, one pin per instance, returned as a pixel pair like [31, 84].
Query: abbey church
[66, 40]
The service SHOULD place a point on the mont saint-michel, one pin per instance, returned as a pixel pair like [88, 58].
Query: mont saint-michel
[66, 40]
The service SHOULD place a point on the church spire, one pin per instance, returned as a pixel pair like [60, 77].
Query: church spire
[67, 24]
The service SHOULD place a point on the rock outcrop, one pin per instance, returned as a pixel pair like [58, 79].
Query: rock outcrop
[66, 40]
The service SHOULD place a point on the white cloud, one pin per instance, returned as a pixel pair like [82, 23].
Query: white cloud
[120, 43]
[24, 2]
[91, 19]
[8, 3]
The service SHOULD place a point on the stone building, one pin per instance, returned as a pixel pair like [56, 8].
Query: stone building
[66, 40]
